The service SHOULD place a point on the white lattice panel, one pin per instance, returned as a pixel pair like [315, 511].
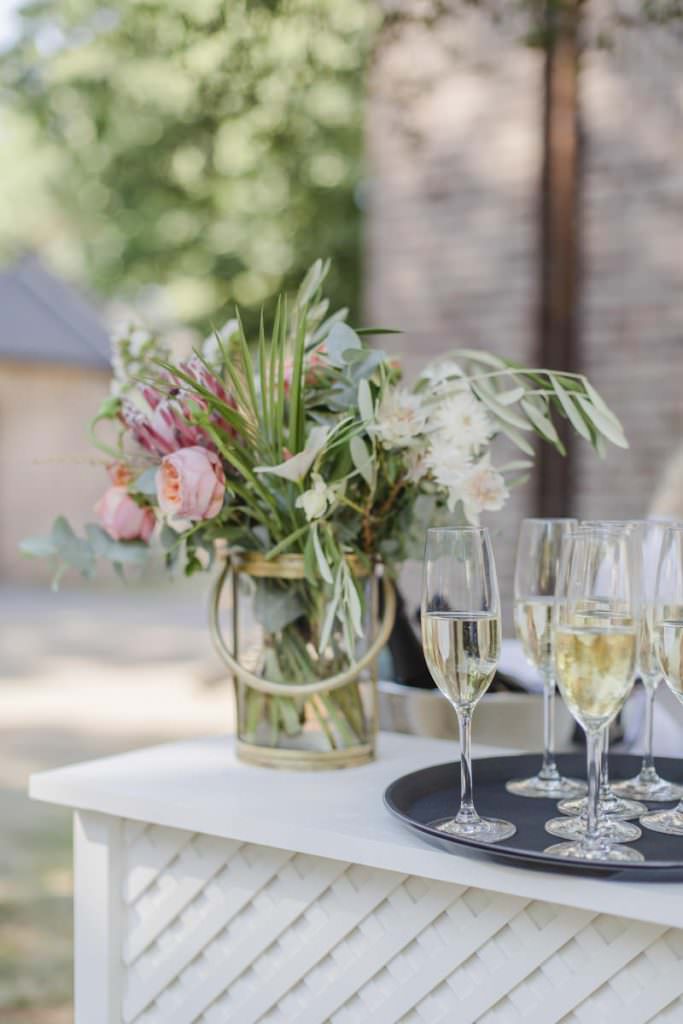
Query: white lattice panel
[220, 932]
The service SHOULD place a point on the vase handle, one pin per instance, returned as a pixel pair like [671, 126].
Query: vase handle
[280, 689]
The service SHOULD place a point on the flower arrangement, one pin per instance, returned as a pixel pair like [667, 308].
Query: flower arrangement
[308, 443]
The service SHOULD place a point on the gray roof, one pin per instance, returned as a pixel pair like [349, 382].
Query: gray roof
[44, 320]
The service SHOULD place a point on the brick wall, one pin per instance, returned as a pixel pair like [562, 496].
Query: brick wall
[454, 153]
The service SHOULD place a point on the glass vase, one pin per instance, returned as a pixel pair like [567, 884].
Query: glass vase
[300, 704]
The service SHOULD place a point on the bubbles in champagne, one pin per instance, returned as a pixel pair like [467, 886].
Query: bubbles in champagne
[595, 667]
[462, 651]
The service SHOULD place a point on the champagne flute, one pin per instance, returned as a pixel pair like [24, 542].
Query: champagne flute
[648, 784]
[595, 657]
[610, 804]
[668, 630]
[461, 638]
[538, 553]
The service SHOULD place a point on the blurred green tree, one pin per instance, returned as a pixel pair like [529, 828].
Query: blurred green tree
[210, 147]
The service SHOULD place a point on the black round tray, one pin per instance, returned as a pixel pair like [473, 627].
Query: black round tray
[429, 795]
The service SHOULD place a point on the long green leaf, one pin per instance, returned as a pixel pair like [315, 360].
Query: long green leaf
[296, 407]
[605, 424]
[544, 425]
[570, 410]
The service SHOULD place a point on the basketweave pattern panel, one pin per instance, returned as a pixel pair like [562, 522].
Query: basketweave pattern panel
[216, 931]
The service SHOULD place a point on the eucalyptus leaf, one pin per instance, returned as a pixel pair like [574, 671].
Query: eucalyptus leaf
[72, 550]
[146, 483]
[362, 459]
[37, 547]
[340, 340]
[276, 604]
[365, 405]
[131, 552]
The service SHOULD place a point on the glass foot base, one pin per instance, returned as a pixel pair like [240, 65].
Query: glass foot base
[577, 851]
[668, 822]
[611, 829]
[615, 807]
[648, 786]
[550, 789]
[483, 830]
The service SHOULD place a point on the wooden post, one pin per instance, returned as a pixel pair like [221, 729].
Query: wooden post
[97, 918]
[558, 320]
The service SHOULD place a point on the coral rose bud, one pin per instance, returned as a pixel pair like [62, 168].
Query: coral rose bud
[119, 474]
[122, 518]
[191, 484]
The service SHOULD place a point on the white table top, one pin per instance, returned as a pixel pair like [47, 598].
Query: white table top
[199, 785]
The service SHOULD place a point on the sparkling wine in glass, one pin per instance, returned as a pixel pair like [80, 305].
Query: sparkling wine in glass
[461, 638]
[595, 659]
[648, 784]
[596, 610]
[668, 633]
[538, 554]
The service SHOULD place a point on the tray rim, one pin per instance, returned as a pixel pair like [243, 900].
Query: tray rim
[516, 857]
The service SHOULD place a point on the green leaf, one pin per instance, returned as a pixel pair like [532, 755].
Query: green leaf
[353, 603]
[365, 404]
[323, 566]
[168, 538]
[609, 426]
[146, 483]
[544, 425]
[516, 438]
[511, 396]
[501, 412]
[377, 330]
[74, 551]
[340, 340]
[570, 410]
[37, 547]
[125, 552]
[362, 459]
[331, 611]
[276, 605]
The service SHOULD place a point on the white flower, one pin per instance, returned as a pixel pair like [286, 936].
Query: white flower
[399, 419]
[297, 466]
[442, 374]
[317, 499]
[139, 337]
[481, 490]
[416, 462]
[447, 461]
[461, 420]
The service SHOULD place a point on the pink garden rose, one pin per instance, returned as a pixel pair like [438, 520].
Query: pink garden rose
[191, 484]
[122, 518]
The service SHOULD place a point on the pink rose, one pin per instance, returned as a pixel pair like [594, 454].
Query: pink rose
[191, 484]
[119, 474]
[122, 518]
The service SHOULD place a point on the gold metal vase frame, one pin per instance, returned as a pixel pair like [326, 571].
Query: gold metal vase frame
[291, 567]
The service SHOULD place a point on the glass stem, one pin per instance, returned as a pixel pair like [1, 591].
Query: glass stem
[603, 738]
[549, 768]
[594, 748]
[467, 812]
[648, 765]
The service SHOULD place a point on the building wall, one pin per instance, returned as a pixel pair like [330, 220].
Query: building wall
[632, 104]
[47, 465]
[454, 152]
[455, 149]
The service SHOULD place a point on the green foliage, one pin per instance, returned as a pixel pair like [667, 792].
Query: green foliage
[210, 148]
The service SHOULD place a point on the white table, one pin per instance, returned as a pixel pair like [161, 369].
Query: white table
[209, 891]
